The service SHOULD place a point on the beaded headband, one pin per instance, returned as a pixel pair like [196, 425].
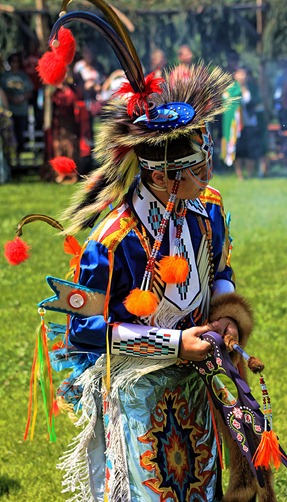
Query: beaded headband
[183, 163]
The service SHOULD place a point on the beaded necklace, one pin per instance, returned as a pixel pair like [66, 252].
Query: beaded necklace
[146, 282]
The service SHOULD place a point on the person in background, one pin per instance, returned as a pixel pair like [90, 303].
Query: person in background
[251, 144]
[70, 133]
[112, 84]
[18, 89]
[89, 79]
[30, 61]
[184, 60]
[158, 62]
[230, 122]
[7, 140]
[184, 56]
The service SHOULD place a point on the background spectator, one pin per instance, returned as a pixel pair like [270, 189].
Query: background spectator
[69, 134]
[157, 62]
[7, 139]
[184, 55]
[251, 144]
[112, 84]
[30, 62]
[18, 89]
[88, 79]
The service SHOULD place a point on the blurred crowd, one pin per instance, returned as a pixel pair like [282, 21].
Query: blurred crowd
[67, 123]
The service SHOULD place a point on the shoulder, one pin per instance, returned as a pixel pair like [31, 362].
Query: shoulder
[114, 227]
[212, 200]
[211, 196]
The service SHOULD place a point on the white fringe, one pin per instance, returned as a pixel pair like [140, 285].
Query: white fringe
[74, 461]
[116, 452]
[125, 372]
[168, 315]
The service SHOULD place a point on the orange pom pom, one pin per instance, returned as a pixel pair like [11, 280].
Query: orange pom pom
[141, 303]
[16, 251]
[173, 269]
[268, 451]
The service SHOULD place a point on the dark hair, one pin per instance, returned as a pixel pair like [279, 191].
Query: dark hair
[146, 175]
[14, 55]
[176, 148]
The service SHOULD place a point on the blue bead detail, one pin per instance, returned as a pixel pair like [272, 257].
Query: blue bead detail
[170, 115]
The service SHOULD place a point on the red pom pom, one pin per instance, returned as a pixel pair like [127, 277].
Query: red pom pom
[63, 165]
[64, 47]
[173, 269]
[141, 303]
[16, 251]
[51, 69]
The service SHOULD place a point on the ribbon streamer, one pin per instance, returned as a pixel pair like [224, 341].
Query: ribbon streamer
[42, 372]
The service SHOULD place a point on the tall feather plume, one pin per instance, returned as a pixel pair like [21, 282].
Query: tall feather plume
[133, 72]
[117, 25]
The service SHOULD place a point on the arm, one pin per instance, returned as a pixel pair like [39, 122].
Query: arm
[230, 313]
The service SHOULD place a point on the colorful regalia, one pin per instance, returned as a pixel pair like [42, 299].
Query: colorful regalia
[154, 271]
[156, 440]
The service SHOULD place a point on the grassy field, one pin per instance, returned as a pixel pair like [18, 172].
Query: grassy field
[259, 231]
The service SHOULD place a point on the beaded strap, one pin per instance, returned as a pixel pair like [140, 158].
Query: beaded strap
[267, 409]
[146, 282]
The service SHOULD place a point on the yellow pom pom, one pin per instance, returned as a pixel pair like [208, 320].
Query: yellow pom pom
[173, 269]
[141, 303]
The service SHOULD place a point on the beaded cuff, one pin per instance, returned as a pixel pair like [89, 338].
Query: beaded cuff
[145, 341]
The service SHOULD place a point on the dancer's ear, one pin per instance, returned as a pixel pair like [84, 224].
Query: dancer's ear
[158, 178]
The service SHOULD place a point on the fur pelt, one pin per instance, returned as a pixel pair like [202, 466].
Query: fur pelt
[238, 308]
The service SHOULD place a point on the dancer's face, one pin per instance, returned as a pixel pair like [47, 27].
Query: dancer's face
[192, 182]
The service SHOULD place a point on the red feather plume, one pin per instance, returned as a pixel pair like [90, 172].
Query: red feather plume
[16, 251]
[138, 100]
[52, 66]
[63, 165]
[51, 69]
[72, 246]
[64, 47]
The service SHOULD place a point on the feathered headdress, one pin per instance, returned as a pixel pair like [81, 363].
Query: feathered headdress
[145, 111]
[120, 133]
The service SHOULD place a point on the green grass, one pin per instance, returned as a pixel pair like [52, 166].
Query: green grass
[259, 229]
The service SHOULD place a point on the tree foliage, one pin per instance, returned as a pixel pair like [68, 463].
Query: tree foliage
[212, 29]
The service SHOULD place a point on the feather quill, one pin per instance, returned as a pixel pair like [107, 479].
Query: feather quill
[133, 72]
[113, 18]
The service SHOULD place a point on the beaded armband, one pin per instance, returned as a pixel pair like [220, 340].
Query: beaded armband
[145, 341]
